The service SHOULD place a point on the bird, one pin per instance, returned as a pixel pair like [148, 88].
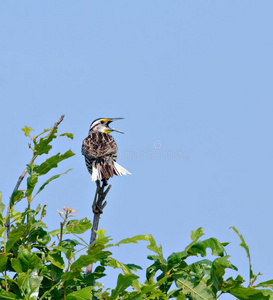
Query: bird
[100, 151]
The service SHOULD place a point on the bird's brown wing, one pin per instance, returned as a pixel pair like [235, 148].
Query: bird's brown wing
[99, 144]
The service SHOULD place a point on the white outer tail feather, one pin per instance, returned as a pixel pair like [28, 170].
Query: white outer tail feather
[120, 170]
[96, 174]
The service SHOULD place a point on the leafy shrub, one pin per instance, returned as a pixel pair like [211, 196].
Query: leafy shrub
[39, 264]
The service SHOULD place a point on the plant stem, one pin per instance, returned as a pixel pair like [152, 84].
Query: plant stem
[61, 234]
[28, 210]
[25, 172]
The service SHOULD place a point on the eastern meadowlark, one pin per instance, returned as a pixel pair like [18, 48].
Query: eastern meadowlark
[100, 151]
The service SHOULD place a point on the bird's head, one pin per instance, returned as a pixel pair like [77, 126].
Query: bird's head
[102, 125]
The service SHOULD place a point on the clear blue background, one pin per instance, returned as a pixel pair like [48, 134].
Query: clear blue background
[193, 80]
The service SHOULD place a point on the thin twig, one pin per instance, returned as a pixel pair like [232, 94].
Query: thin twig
[25, 171]
[98, 207]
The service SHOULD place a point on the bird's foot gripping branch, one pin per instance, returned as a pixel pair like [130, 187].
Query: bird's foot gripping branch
[37, 263]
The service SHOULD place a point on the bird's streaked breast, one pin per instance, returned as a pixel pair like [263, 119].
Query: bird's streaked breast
[99, 144]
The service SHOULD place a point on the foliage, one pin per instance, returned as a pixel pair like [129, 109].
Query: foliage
[39, 264]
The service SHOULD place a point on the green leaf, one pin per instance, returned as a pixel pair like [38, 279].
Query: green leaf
[16, 265]
[3, 261]
[82, 294]
[78, 226]
[231, 283]
[43, 213]
[42, 146]
[243, 293]
[31, 182]
[69, 135]
[178, 294]
[16, 197]
[100, 234]
[134, 239]
[26, 260]
[124, 281]
[96, 274]
[27, 130]
[85, 260]
[195, 248]
[159, 261]
[153, 246]
[176, 258]
[57, 231]
[36, 225]
[30, 282]
[200, 248]
[17, 216]
[15, 235]
[95, 253]
[152, 288]
[37, 210]
[32, 285]
[29, 168]
[42, 237]
[72, 242]
[196, 234]
[56, 260]
[199, 270]
[70, 275]
[218, 270]
[133, 267]
[8, 296]
[194, 289]
[245, 246]
[2, 205]
[53, 161]
[117, 264]
[181, 297]
[49, 180]
[266, 284]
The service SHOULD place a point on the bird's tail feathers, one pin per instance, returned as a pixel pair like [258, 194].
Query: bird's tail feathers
[96, 175]
[119, 170]
[100, 171]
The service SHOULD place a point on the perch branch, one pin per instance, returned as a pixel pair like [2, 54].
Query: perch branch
[25, 171]
[98, 206]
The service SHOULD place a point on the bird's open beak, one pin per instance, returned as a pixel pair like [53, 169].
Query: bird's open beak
[114, 129]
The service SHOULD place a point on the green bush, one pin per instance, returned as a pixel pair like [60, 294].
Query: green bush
[39, 264]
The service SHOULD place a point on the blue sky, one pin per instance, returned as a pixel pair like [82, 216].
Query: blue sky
[193, 80]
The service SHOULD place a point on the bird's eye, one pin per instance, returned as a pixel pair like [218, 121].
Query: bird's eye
[101, 122]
